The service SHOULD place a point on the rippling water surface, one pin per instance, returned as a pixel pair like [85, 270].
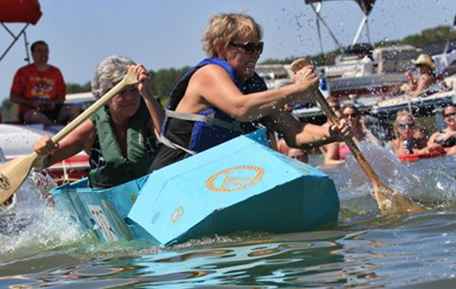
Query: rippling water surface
[40, 248]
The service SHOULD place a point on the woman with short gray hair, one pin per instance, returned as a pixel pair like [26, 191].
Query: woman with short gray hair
[109, 72]
[121, 137]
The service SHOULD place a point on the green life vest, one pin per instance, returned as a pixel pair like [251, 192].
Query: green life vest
[141, 149]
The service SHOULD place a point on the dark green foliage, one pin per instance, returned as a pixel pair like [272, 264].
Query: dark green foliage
[428, 36]
[424, 38]
[75, 87]
[165, 79]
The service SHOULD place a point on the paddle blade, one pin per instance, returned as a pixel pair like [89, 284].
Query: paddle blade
[13, 174]
[392, 202]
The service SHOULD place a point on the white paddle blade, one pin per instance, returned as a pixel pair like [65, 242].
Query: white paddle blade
[13, 174]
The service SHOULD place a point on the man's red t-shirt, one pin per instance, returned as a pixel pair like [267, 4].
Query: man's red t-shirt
[29, 83]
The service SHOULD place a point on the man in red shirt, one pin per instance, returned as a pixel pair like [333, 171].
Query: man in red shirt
[39, 88]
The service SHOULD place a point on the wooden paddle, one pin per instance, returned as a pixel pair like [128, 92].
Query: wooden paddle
[14, 172]
[388, 201]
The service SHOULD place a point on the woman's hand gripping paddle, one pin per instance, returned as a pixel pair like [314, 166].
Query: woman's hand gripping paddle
[388, 201]
[14, 172]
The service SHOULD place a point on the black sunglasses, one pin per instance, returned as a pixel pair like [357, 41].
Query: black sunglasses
[250, 47]
[451, 114]
[406, 125]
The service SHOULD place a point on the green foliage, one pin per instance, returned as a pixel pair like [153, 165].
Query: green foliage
[165, 79]
[420, 40]
[8, 111]
[7, 104]
[75, 88]
[428, 36]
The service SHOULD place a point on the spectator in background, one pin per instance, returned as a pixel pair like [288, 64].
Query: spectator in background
[426, 78]
[446, 138]
[336, 152]
[408, 137]
[39, 89]
[294, 153]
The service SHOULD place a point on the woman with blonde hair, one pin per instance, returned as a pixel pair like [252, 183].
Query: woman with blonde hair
[406, 141]
[223, 97]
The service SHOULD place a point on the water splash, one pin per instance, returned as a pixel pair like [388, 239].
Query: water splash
[430, 181]
[33, 224]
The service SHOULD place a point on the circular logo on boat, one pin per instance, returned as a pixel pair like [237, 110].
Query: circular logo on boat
[235, 179]
[177, 214]
[4, 182]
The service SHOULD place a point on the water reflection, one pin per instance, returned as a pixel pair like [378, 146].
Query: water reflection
[394, 252]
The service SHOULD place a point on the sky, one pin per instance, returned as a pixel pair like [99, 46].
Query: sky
[167, 33]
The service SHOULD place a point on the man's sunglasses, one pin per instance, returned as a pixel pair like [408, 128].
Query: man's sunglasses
[250, 47]
[451, 114]
[406, 125]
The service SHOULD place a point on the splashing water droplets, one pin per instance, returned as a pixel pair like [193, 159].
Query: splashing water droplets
[32, 224]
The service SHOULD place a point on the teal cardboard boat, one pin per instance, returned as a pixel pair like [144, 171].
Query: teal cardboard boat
[240, 185]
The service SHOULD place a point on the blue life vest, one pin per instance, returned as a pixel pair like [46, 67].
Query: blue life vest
[206, 135]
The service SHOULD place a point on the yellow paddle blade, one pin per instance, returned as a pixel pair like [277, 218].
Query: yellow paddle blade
[13, 174]
[392, 202]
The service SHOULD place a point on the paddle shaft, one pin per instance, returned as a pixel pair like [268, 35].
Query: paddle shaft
[351, 143]
[89, 111]
[388, 201]
[14, 172]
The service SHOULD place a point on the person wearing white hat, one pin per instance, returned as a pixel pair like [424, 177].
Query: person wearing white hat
[416, 86]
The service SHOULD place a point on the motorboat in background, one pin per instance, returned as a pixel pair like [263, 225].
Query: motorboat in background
[18, 139]
[369, 77]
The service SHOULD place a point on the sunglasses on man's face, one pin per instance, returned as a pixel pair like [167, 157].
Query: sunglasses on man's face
[249, 47]
[451, 114]
[403, 126]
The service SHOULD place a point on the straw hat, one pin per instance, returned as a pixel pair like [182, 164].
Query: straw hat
[424, 59]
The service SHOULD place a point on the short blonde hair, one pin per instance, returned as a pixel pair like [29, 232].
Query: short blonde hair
[400, 114]
[224, 28]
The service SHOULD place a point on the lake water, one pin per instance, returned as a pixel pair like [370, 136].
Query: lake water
[41, 249]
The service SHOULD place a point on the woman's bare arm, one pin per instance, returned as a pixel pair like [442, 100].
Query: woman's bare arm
[212, 85]
[79, 139]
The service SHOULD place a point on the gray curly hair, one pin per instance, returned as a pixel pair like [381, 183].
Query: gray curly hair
[109, 72]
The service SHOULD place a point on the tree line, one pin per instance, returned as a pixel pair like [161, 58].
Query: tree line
[165, 79]
[163, 82]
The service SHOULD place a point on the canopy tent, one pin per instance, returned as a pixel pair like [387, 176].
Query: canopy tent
[19, 11]
[366, 7]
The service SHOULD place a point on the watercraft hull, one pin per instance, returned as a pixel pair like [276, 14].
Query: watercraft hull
[241, 185]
